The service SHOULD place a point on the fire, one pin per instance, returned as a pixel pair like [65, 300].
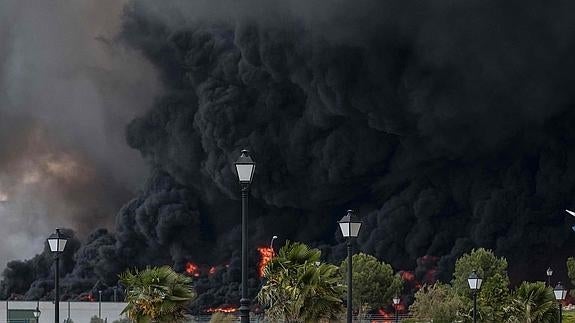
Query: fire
[222, 309]
[266, 254]
[192, 269]
[407, 276]
[87, 298]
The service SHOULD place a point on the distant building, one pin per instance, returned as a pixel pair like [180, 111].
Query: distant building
[79, 312]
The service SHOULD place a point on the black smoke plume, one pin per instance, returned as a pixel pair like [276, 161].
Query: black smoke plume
[447, 125]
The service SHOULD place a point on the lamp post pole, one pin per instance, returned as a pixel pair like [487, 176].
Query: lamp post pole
[272, 244]
[57, 243]
[349, 280]
[474, 282]
[57, 290]
[396, 301]
[100, 304]
[560, 294]
[549, 273]
[349, 226]
[245, 167]
[245, 302]
[474, 306]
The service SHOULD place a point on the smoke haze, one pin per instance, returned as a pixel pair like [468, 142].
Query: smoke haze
[67, 90]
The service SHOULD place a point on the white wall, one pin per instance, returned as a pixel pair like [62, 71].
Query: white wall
[80, 312]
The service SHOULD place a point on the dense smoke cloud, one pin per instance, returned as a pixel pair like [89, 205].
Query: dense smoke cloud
[67, 90]
[446, 124]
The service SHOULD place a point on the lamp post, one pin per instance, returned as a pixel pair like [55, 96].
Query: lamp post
[549, 273]
[272, 244]
[475, 285]
[100, 304]
[245, 167]
[37, 312]
[349, 226]
[57, 243]
[396, 301]
[115, 289]
[560, 293]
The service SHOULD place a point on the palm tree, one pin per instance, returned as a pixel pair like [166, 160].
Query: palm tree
[157, 295]
[532, 303]
[299, 288]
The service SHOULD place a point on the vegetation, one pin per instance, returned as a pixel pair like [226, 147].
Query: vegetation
[437, 302]
[96, 319]
[374, 283]
[533, 303]
[158, 295]
[494, 294]
[299, 288]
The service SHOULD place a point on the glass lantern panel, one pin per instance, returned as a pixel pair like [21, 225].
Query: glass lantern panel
[245, 172]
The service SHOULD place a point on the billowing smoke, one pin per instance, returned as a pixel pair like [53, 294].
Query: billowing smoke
[445, 124]
[67, 90]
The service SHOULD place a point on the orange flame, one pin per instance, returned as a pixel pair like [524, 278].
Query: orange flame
[192, 269]
[266, 254]
[222, 309]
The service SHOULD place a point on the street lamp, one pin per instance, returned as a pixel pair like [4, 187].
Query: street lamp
[549, 274]
[349, 226]
[57, 243]
[245, 167]
[272, 244]
[475, 285]
[560, 293]
[37, 312]
[396, 301]
[100, 304]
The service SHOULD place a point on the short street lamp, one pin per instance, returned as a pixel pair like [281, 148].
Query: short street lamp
[396, 301]
[57, 243]
[560, 294]
[349, 226]
[37, 312]
[245, 167]
[475, 285]
[549, 274]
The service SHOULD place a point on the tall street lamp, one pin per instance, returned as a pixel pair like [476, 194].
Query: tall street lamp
[245, 167]
[349, 226]
[549, 273]
[396, 301]
[475, 285]
[560, 293]
[57, 243]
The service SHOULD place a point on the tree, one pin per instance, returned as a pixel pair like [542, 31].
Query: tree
[571, 271]
[299, 288]
[532, 303]
[494, 293]
[96, 319]
[437, 302]
[374, 284]
[158, 295]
